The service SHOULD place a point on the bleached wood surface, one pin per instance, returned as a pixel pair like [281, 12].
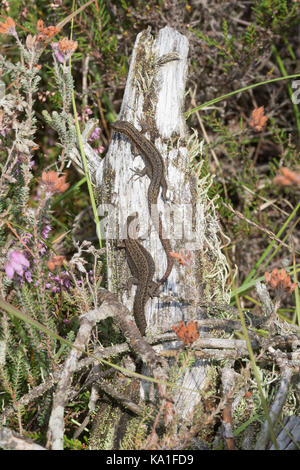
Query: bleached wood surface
[129, 194]
[155, 88]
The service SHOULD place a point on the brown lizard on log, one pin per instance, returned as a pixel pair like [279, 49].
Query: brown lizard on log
[154, 169]
[142, 268]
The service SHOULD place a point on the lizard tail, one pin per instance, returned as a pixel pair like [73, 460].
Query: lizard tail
[139, 311]
[170, 261]
[167, 247]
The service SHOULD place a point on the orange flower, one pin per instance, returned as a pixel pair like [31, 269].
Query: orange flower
[258, 119]
[54, 183]
[67, 46]
[280, 281]
[187, 333]
[8, 27]
[56, 261]
[46, 33]
[182, 258]
[288, 177]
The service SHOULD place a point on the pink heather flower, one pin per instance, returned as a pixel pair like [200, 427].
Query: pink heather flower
[38, 194]
[42, 248]
[95, 134]
[88, 110]
[60, 282]
[57, 53]
[26, 238]
[58, 279]
[28, 276]
[45, 231]
[100, 149]
[16, 263]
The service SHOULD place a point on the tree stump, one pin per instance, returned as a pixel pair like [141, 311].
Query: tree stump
[154, 94]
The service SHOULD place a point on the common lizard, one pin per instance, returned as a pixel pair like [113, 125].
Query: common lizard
[142, 268]
[154, 169]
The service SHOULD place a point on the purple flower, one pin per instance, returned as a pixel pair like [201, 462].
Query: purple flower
[26, 238]
[43, 248]
[87, 110]
[59, 282]
[95, 134]
[38, 194]
[67, 283]
[57, 53]
[45, 231]
[28, 276]
[16, 263]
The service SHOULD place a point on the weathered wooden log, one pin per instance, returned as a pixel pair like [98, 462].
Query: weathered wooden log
[155, 94]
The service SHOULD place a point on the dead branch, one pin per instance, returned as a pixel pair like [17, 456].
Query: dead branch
[289, 436]
[10, 440]
[228, 379]
[280, 398]
[110, 306]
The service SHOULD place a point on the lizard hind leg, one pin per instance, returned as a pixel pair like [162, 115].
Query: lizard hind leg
[153, 289]
[130, 282]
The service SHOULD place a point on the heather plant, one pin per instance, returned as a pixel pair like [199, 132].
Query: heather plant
[35, 276]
